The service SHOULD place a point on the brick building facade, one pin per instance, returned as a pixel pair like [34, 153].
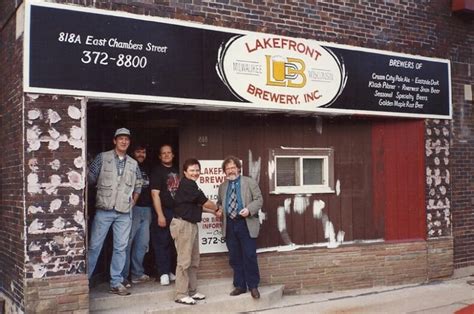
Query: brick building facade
[43, 258]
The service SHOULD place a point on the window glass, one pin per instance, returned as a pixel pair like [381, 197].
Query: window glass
[312, 171]
[301, 170]
[287, 172]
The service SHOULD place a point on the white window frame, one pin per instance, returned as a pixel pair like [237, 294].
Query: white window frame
[325, 154]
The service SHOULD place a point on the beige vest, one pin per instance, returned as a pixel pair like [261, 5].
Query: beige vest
[114, 191]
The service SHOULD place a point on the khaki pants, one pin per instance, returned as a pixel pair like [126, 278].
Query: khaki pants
[186, 240]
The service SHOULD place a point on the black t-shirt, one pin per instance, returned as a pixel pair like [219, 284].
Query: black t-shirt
[189, 200]
[166, 180]
[145, 197]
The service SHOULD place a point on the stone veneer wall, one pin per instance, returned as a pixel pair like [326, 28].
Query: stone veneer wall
[57, 295]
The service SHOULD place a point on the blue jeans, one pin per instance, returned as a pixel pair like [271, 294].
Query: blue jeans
[163, 244]
[242, 254]
[138, 241]
[121, 224]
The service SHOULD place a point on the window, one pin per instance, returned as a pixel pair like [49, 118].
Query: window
[301, 170]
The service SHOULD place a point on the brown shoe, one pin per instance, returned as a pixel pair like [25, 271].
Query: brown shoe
[120, 290]
[255, 294]
[237, 291]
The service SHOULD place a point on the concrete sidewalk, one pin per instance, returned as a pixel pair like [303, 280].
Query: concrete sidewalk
[446, 296]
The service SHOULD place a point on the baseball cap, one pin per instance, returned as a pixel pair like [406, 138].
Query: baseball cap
[122, 131]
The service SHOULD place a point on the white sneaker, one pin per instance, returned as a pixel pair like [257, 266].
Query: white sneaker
[186, 300]
[164, 280]
[172, 277]
[198, 296]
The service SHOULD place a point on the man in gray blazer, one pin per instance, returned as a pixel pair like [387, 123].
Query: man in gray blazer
[240, 199]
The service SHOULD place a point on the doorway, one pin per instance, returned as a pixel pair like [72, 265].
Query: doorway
[150, 125]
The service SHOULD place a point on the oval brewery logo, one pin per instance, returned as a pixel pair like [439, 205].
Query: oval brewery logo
[280, 72]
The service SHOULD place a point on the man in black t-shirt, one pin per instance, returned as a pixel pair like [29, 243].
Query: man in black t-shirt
[164, 183]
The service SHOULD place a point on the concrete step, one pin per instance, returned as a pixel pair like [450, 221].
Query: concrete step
[151, 297]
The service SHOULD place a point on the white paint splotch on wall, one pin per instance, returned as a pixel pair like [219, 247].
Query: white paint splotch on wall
[35, 209]
[281, 218]
[52, 214]
[76, 180]
[271, 169]
[340, 236]
[32, 184]
[34, 246]
[75, 138]
[39, 270]
[287, 205]
[52, 186]
[79, 218]
[32, 137]
[330, 235]
[262, 216]
[59, 223]
[282, 226]
[53, 116]
[338, 187]
[55, 164]
[300, 205]
[74, 199]
[54, 139]
[318, 206]
[79, 162]
[55, 205]
[74, 112]
[33, 164]
[35, 226]
[438, 181]
[254, 167]
[33, 114]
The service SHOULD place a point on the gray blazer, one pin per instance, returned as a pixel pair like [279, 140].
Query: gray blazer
[252, 199]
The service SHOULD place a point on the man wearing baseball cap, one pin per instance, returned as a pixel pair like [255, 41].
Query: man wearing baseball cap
[118, 180]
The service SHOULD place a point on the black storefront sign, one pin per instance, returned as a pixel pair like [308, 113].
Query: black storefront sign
[103, 54]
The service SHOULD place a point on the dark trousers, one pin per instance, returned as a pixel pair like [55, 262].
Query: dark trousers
[242, 254]
[163, 244]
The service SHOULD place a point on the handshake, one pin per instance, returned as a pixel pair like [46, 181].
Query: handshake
[244, 212]
[218, 213]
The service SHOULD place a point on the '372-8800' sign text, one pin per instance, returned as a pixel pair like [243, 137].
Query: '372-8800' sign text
[116, 55]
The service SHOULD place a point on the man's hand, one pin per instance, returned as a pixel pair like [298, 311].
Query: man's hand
[244, 212]
[161, 221]
[219, 213]
[155, 196]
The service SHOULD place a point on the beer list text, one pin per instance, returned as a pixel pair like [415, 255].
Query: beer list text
[402, 91]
